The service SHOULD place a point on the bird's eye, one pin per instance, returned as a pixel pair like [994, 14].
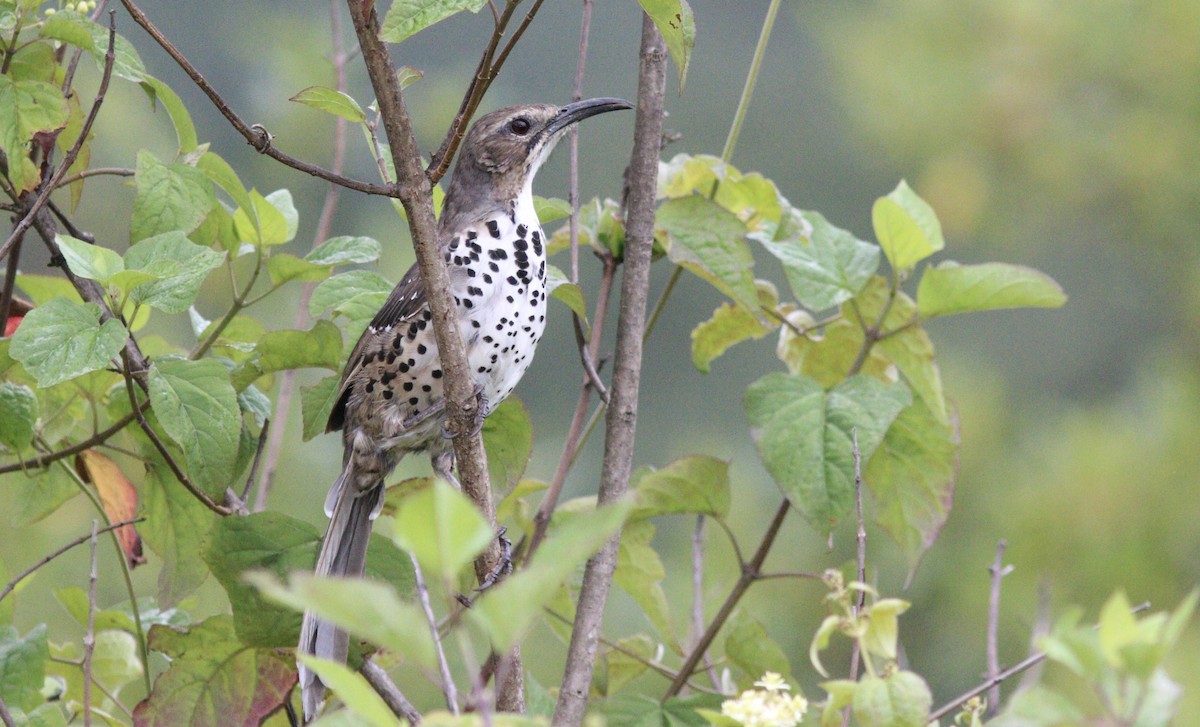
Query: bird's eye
[519, 126]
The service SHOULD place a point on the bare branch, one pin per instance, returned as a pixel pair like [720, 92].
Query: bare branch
[449, 689]
[750, 574]
[89, 637]
[697, 625]
[6, 716]
[287, 380]
[622, 410]
[998, 570]
[97, 438]
[255, 135]
[392, 696]
[76, 542]
[95, 172]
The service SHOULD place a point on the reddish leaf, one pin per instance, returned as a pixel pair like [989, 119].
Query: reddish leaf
[117, 495]
[214, 679]
[11, 325]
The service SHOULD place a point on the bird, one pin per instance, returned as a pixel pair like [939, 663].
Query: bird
[390, 398]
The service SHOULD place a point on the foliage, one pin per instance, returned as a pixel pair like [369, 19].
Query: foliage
[856, 404]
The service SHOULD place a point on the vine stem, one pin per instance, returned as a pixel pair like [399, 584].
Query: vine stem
[760, 50]
[89, 637]
[11, 585]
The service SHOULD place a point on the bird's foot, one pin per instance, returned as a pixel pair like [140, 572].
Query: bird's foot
[443, 466]
[504, 567]
[479, 415]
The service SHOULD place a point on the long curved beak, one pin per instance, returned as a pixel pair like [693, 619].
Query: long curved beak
[575, 112]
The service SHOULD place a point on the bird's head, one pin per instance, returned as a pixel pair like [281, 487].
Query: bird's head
[504, 149]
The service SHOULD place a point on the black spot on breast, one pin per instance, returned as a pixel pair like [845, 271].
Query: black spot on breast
[421, 348]
[426, 388]
[436, 373]
[454, 244]
[467, 303]
[412, 401]
[408, 386]
[522, 231]
[494, 228]
[470, 272]
[487, 278]
[387, 393]
[403, 368]
[520, 244]
[497, 254]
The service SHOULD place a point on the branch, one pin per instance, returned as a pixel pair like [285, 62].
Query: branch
[95, 172]
[449, 689]
[6, 716]
[92, 441]
[998, 570]
[77, 541]
[392, 696]
[49, 186]
[255, 135]
[697, 625]
[89, 637]
[622, 411]
[861, 572]
[750, 573]
[287, 380]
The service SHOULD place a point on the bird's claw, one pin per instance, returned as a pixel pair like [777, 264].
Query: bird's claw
[477, 421]
[504, 567]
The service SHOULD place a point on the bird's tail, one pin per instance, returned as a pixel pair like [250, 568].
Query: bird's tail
[351, 511]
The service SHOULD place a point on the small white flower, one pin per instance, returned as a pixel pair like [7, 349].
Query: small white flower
[771, 706]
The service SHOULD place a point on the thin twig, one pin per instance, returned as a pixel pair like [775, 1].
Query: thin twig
[6, 716]
[50, 185]
[541, 519]
[392, 696]
[95, 172]
[751, 77]
[176, 470]
[77, 541]
[861, 571]
[89, 637]
[750, 573]
[255, 135]
[10, 281]
[998, 570]
[449, 689]
[99, 437]
[987, 684]
[254, 463]
[287, 380]
[697, 625]
[621, 423]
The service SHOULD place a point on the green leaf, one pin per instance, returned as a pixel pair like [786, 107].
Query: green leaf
[912, 476]
[408, 17]
[41, 289]
[622, 667]
[127, 64]
[214, 679]
[952, 288]
[407, 76]
[316, 402]
[18, 415]
[883, 628]
[1038, 706]
[640, 573]
[21, 670]
[36, 497]
[639, 710]
[710, 241]
[27, 108]
[264, 541]
[318, 347]
[906, 226]
[442, 529]
[804, 436]
[175, 527]
[185, 130]
[273, 222]
[550, 209]
[829, 626]
[825, 265]
[61, 340]
[345, 250]
[69, 27]
[1117, 627]
[366, 608]
[567, 292]
[331, 102]
[675, 21]
[178, 265]
[697, 484]
[198, 408]
[900, 700]
[219, 171]
[731, 324]
[353, 689]
[116, 661]
[841, 695]
[1075, 647]
[346, 286]
[169, 197]
[508, 439]
[506, 612]
[752, 650]
[285, 268]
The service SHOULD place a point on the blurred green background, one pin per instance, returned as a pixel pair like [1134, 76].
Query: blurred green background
[1064, 136]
